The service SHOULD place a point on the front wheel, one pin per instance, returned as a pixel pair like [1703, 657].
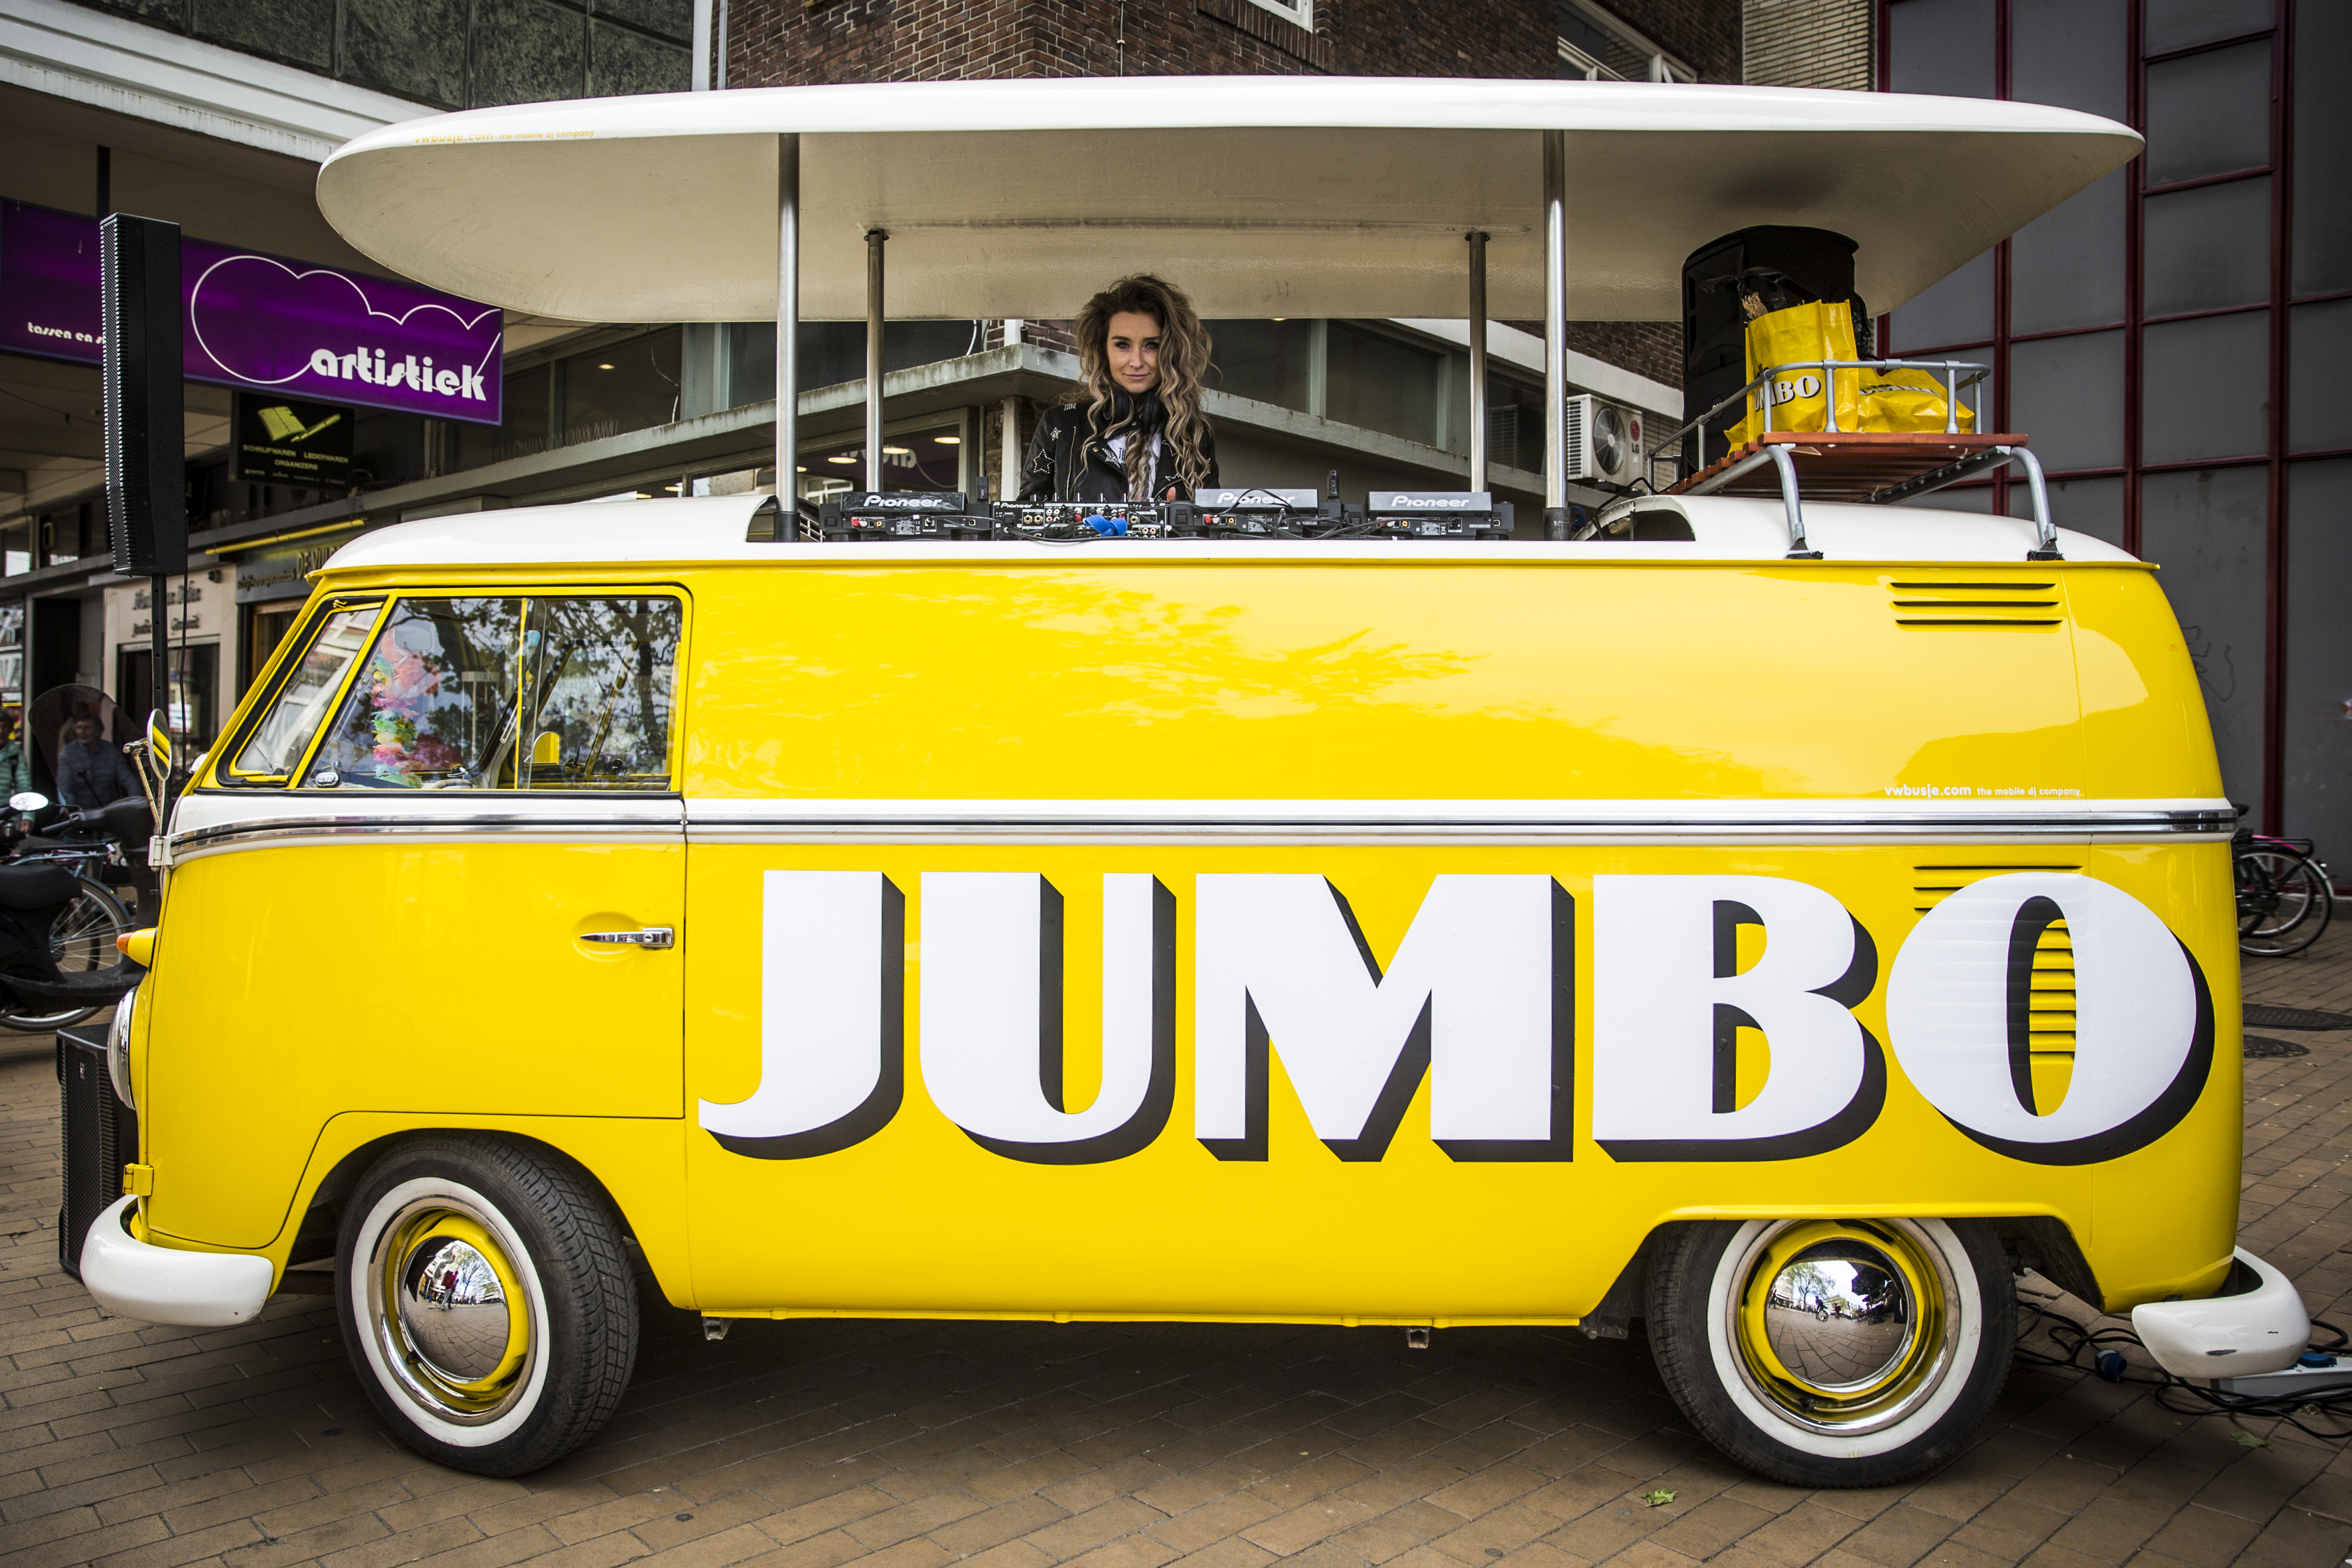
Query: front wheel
[486, 1301]
[1885, 1385]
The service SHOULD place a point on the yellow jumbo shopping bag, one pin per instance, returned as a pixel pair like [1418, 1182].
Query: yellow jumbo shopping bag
[1904, 400]
[1811, 332]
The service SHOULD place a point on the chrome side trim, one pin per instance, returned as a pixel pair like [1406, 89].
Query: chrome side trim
[668, 820]
[211, 825]
[1458, 822]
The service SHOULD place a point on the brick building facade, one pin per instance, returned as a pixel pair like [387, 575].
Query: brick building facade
[780, 42]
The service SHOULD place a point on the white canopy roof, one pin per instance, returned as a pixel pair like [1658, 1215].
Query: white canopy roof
[1260, 195]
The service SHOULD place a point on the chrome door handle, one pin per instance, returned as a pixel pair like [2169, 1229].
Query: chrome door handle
[648, 936]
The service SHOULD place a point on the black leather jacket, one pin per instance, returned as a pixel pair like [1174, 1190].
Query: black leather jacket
[1052, 471]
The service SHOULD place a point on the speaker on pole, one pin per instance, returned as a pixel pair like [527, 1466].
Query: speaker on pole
[146, 502]
[146, 474]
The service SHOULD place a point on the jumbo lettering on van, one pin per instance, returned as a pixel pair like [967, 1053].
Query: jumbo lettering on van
[1479, 1000]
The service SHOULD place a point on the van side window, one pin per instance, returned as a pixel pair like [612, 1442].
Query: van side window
[284, 734]
[432, 706]
[597, 683]
[569, 692]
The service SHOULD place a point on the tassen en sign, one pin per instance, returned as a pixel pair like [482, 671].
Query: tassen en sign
[1478, 1000]
[256, 321]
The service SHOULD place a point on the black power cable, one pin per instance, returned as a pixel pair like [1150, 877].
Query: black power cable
[2108, 1362]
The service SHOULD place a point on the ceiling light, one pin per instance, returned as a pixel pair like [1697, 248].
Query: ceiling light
[604, 367]
[841, 458]
[948, 440]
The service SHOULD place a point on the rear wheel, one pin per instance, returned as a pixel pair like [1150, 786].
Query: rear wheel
[486, 1301]
[1834, 1352]
[2283, 901]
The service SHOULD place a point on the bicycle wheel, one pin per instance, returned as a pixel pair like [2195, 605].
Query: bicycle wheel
[2283, 901]
[81, 939]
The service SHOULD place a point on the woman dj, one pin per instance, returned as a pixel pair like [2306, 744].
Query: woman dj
[1133, 431]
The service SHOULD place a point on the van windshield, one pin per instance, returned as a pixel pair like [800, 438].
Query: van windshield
[277, 747]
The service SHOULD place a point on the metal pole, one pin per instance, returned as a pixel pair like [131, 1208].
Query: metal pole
[1477, 359]
[1555, 224]
[788, 334]
[875, 239]
[1011, 414]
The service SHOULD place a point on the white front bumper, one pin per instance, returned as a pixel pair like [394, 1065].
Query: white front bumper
[132, 1279]
[2259, 1327]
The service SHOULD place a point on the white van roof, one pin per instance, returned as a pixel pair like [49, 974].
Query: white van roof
[1260, 195]
[711, 530]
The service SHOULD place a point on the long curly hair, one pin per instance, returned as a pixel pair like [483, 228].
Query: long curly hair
[1183, 365]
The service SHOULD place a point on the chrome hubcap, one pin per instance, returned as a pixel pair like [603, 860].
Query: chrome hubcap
[449, 1311]
[1842, 1326]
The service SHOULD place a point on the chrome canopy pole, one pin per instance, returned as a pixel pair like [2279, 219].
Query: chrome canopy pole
[875, 239]
[1477, 359]
[788, 334]
[1555, 230]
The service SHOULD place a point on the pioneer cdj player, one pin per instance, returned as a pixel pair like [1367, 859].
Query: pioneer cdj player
[1437, 514]
[901, 514]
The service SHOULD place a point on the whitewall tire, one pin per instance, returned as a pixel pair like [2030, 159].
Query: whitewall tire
[486, 1300]
[1831, 1352]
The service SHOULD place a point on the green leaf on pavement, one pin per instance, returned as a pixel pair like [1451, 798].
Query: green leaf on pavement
[1658, 1498]
[2248, 1440]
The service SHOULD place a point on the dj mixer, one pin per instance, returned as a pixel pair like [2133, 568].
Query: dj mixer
[1254, 513]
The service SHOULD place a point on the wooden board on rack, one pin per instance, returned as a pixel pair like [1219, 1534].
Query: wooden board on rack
[1843, 465]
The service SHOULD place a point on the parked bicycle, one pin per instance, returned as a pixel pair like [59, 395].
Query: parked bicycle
[2284, 896]
[54, 896]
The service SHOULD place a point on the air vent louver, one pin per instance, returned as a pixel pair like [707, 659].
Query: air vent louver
[1985, 603]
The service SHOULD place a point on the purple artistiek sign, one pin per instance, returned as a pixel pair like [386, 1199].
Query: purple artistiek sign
[258, 321]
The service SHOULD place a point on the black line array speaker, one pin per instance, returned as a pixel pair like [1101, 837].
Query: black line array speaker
[101, 1134]
[146, 498]
[1781, 266]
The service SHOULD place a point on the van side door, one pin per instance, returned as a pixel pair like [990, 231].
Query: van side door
[451, 888]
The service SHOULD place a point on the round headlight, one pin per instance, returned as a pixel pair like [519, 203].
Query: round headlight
[118, 1048]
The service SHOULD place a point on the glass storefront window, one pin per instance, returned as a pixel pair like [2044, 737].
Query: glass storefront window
[930, 458]
[629, 385]
[2210, 113]
[1270, 362]
[1375, 381]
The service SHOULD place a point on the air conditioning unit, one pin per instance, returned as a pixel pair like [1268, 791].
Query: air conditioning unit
[1604, 441]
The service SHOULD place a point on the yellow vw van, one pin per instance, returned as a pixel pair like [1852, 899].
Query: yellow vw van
[1782, 950]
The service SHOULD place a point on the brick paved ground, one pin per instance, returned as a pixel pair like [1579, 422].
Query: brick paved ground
[1016, 1445]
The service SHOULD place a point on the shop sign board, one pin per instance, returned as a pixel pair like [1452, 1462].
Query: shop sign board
[197, 607]
[260, 320]
[293, 441]
[282, 571]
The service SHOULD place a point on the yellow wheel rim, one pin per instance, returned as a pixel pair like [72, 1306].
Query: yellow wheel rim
[1843, 1325]
[452, 1315]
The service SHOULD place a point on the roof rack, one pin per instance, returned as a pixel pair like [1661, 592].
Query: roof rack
[1872, 466]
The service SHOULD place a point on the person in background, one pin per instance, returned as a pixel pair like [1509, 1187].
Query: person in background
[90, 771]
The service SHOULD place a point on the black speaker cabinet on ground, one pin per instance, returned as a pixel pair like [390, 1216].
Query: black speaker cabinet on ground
[146, 500]
[101, 1134]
